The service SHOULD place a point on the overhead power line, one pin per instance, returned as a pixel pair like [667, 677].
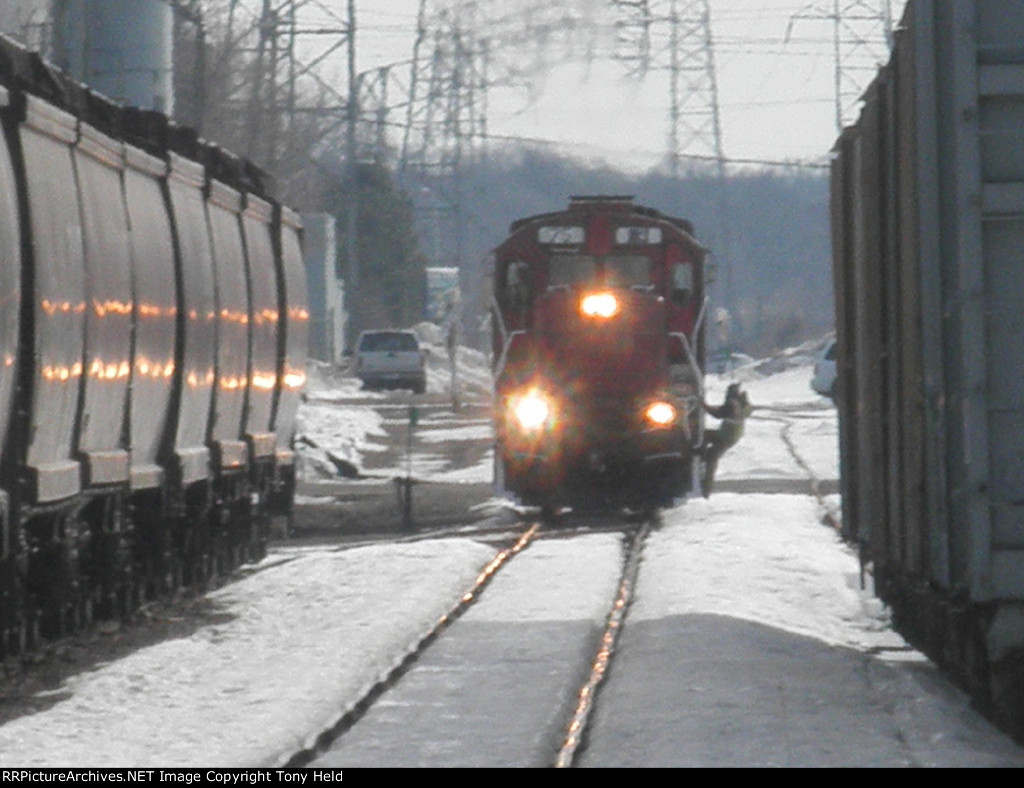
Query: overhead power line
[675, 36]
[862, 32]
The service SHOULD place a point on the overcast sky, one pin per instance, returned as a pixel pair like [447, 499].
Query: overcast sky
[775, 71]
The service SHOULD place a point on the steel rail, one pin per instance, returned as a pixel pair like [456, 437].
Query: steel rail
[616, 617]
[327, 737]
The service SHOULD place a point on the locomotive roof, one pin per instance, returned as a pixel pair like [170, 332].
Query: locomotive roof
[611, 203]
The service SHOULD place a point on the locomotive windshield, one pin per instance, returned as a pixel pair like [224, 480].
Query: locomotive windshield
[626, 270]
[571, 269]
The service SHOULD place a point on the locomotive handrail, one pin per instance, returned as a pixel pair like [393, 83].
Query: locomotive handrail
[701, 315]
[504, 354]
[698, 375]
[699, 438]
[496, 308]
[691, 358]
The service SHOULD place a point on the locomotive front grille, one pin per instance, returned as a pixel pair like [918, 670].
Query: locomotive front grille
[601, 423]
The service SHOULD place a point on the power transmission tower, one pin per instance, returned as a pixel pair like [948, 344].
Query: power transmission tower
[446, 122]
[862, 34]
[675, 36]
[462, 51]
[286, 98]
[446, 111]
[382, 93]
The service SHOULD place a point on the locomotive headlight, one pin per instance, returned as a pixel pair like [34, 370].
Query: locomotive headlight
[531, 410]
[600, 305]
[660, 414]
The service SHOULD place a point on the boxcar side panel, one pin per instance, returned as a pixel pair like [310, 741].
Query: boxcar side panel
[1000, 30]
[197, 305]
[257, 223]
[99, 163]
[910, 517]
[156, 310]
[890, 294]
[10, 283]
[866, 304]
[224, 207]
[59, 308]
[923, 223]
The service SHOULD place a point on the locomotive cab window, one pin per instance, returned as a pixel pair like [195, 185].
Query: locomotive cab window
[567, 270]
[516, 293]
[681, 286]
[627, 270]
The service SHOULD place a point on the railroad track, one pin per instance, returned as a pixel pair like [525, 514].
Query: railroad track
[589, 666]
[587, 697]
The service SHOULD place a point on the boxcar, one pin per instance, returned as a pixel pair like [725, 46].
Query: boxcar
[928, 233]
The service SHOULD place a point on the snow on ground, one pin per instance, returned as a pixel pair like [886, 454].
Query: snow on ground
[328, 434]
[765, 559]
[325, 430]
[302, 638]
[299, 637]
[473, 369]
[783, 403]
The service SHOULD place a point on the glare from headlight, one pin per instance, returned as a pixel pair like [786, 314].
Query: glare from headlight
[531, 410]
[660, 414]
[603, 305]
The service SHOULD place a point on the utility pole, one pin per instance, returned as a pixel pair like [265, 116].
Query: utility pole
[352, 157]
[862, 37]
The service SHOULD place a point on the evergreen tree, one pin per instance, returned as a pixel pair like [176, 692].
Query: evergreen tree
[392, 278]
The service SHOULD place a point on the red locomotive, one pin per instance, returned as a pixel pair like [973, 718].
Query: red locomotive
[598, 340]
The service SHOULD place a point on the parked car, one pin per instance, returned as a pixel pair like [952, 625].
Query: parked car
[824, 380]
[391, 359]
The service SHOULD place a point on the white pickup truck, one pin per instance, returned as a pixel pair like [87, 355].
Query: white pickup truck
[391, 359]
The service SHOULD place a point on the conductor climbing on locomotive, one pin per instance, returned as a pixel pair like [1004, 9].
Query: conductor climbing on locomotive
[733, 413]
